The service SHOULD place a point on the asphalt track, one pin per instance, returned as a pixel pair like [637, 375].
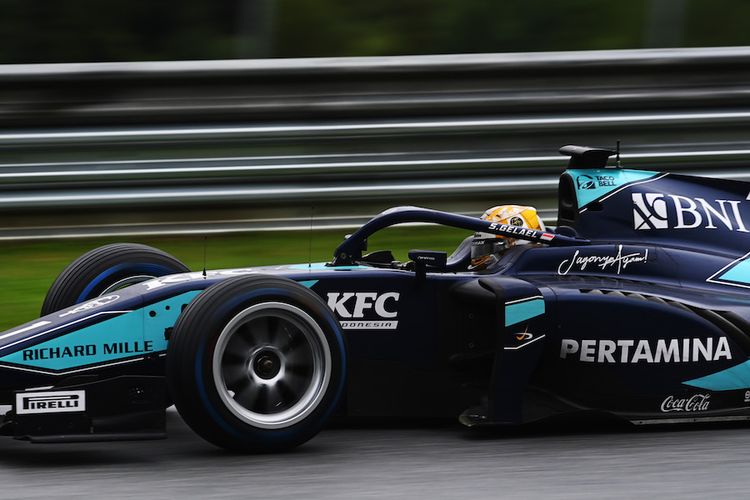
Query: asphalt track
[419, 460]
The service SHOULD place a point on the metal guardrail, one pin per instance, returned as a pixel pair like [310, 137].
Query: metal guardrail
[180, 147]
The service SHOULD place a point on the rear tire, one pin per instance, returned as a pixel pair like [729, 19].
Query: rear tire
[256, 364]
[106, 269]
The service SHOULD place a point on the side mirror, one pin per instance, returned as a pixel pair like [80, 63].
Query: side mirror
[425, 260]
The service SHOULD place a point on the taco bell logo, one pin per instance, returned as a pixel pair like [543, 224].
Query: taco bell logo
[585, 182]
[659, 211]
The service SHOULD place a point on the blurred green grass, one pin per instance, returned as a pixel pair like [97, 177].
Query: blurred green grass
[29, 268]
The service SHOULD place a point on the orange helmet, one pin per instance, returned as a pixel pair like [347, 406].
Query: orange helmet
[486, 247]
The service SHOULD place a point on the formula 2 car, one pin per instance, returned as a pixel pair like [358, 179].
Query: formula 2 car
[636, 305]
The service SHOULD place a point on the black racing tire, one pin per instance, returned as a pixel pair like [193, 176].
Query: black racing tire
[103, 268]
[256, 364]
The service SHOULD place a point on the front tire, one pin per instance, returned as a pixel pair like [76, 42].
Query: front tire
[106, 269]
[256, 364]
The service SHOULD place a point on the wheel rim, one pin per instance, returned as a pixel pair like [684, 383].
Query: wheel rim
[272, 365]
[126, 282]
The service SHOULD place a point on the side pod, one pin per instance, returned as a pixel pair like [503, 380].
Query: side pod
[519, 331]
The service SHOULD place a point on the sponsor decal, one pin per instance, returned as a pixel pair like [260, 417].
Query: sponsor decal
[516, 221]
[696, 402]
[92, 304]
[616, 263]
[747, 396]
[525, 335]
[606, 180]
[646, 351]
[123, 338]
[82, 351]
[523, 338]
[658, 211]
[584, 181]
[50, 402]
[601, 184]
[521, 231]
[365, 310]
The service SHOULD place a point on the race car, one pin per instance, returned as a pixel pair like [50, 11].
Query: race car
[635, 305]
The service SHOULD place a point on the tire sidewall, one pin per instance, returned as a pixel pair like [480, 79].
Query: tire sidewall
[111, 274]
[92, 273]
[232, 432]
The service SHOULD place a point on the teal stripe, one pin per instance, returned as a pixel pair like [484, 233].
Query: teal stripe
[124, 336]
[308, 283]
[739, 273]
[515, 313]
[592, 184]
[731, 379]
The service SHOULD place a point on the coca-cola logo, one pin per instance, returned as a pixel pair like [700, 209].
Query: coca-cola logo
[697, 402]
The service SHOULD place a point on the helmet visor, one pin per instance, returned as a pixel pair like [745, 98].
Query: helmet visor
[483, 249]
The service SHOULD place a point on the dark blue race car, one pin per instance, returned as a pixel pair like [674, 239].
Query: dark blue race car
[635, 305]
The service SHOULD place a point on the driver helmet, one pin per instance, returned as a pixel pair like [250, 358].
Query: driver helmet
[486, 248]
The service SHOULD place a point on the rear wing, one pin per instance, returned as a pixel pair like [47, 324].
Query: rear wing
[586, 157]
